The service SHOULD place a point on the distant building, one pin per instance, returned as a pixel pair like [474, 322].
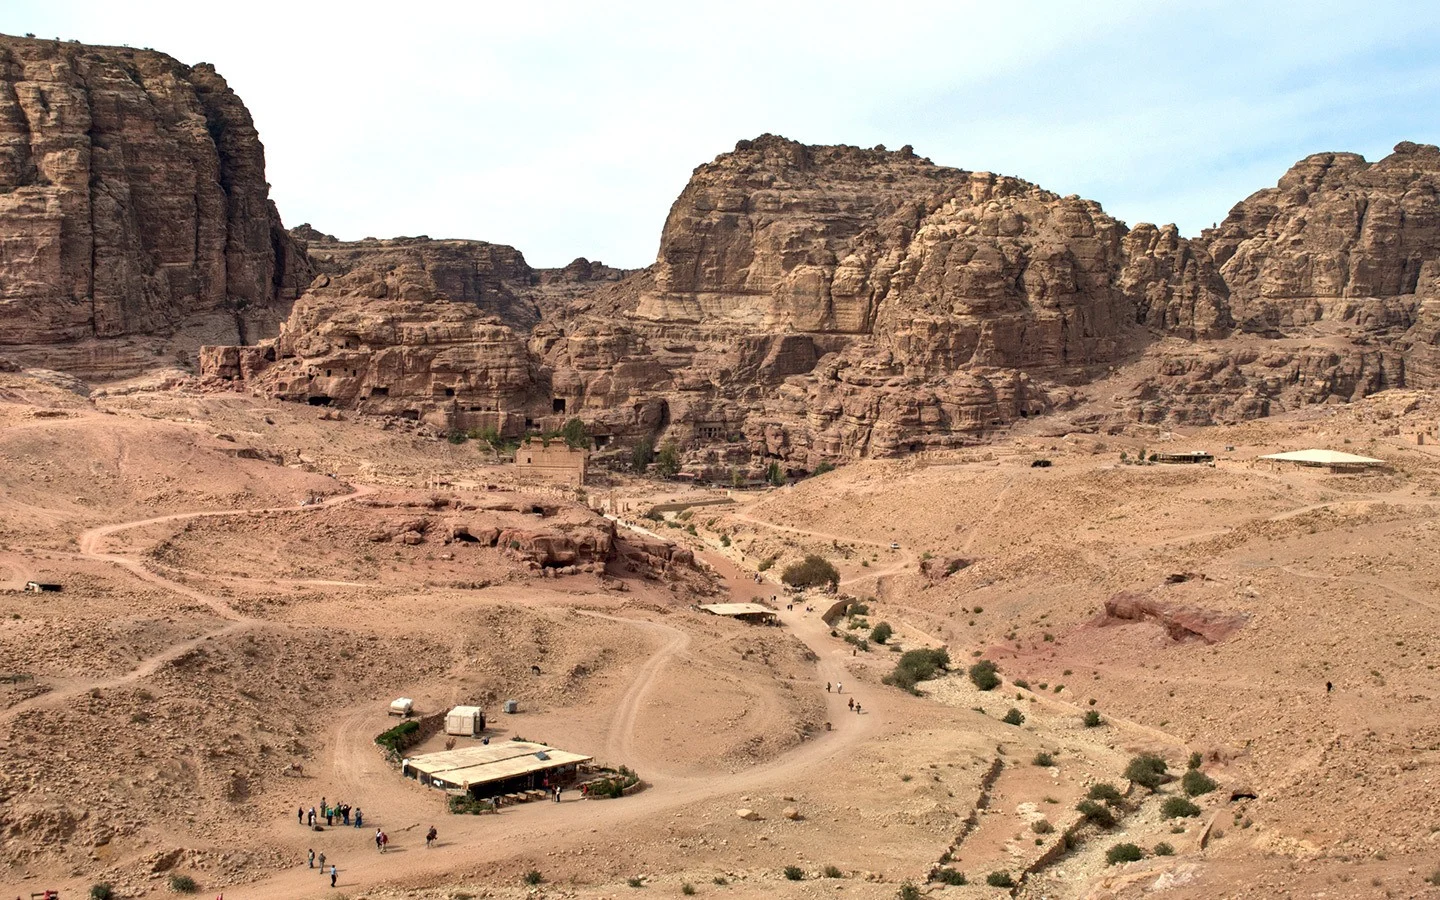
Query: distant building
[1201, 457]
[41, 587]
[555, 461]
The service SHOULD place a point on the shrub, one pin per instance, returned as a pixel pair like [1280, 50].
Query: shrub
[948, 875]
[1196, 782]
[794, 873]
[687, 889]
[825, 466]
[1042, 826]
[881, 633]
[1123, 853]
[1178, 808]
[1434, 878]
[1092, 719]
[915, 666]
[1147, 770]
[833, 872]
[1000, 879]
[812, 571]
[765, 564]
[1164, 849]
[1022, 683]
[101, 891]
[534, 877]
[1013, 717]
[1044, 759]
[724, 540]
[635, 881]
[398, 738]
[775, 475]
[720, 880]
[1106, 792]
[1195, 761]
[908, 891]
[859, 609]
[575, 435]
[1096, 813]
[983, 674]
[183, 884]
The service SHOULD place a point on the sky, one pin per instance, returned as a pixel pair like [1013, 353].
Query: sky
[567, 129]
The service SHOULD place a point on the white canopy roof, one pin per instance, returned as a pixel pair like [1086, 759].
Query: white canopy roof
[1325, 458]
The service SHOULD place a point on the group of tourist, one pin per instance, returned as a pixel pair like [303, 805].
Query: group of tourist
[333, 871]
[330, 813]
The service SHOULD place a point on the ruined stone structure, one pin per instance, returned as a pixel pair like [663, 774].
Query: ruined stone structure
[552, 460]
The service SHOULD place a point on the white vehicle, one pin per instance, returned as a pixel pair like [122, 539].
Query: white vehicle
[894, 545]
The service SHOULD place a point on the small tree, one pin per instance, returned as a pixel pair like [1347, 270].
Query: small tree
[575, 435]
[775, 475]
[881, 633]
[1000, 880]
[641, 454]
[1164, 849]
[812, 571]
[667, 461]
[824, 467]
[1106, 792]
[1096, 813]
[1093, 720]
[1014, 717]
[1178, 808]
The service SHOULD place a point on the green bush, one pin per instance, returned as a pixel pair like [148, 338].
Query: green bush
[398, 738]
[794, 873]
[1164, 849]
[575, 435]
[917, 665]
[1195, 760]
[1013, 717]
[1123, 853]
[908, 891]
[948, 875]
[983, 675]
[1000, 880]
[881, 633]
[1147, 770]
[641, 454]
[183, 884]
[1042, 826]
[1178, 808]
[456, 437]
[667, 461]
[825, 466]
[1096, 813]
[833, 872]
[102, 891]
[534, 877]
[859, 609]
[687, 889]
[1196, 782]
[1044, 759]
[635, 881]
[1106, 792]
[465, 806]
[1092, 719]
[812, 571]
[766, 563]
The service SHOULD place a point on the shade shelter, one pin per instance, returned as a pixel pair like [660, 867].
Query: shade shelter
[745, 612]
[1333, 460]
[494, 769]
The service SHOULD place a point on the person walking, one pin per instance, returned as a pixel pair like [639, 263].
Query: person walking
[312, 815]
[312, 857]
[359, 817]
[852, 703]
[329, 816]
[332, 875]
[839, 689]
[430, 836]
[384, 841]
[322, 862]
[299, 815]
[857, 709]
[827, 687]
[377, 840]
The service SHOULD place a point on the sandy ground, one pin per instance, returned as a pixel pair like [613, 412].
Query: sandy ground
[214, 632]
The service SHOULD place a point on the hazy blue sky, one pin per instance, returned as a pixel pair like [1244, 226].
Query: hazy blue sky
[567, 129]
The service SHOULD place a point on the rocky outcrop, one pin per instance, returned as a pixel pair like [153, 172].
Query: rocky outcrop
[1181, 622]
[133, 203]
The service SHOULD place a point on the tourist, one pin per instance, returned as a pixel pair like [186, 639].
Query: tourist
[378, 835]
[838, 688]
[299, 815]
[312, 815]
[329, 816]
[430, 836]
[384, 841]
[857, 709]
[852, 703]
[332, 874]
[359, 817]
[312, 857]
[322, 862]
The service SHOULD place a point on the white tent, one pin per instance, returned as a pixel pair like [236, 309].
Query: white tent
[1324, 458]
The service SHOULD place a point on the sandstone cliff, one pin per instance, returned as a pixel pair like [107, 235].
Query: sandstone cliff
[133, 203]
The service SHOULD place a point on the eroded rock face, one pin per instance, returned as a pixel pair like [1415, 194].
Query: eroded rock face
[1181, 622]
[133, 202]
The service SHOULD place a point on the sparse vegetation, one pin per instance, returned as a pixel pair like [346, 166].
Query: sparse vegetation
[102, 891]
[908, 891]
[1147, 770]
[794, 873]
[396, 739]
[1195, 760]
[1013, 717]
[720, 880]
[1042, 826]
[641, 454]
[1123, 853]
[917, 665]
[667, 461]
[183, 884]
[1092, 719]
[1105, 792]
[1000, 879]
[533, 877]
[1044, 759]
[881, 633]
[833, 872]
[983, 675]
[1163, 849]
[635, 881]
[948, 875]
[687, 889]
[1178, 808]
[812, 571]
[825, 466]
[766, 564]
[575, 435]
[1195, 782]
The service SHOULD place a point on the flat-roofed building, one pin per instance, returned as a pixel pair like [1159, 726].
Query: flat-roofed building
[491, 770]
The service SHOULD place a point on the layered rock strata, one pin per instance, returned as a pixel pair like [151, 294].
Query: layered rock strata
[133, 204]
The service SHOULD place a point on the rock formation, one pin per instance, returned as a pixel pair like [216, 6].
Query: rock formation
[133, 204]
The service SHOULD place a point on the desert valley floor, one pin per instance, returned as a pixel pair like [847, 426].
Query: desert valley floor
[228, 612]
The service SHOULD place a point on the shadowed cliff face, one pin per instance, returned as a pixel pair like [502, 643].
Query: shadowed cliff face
[132, 202]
